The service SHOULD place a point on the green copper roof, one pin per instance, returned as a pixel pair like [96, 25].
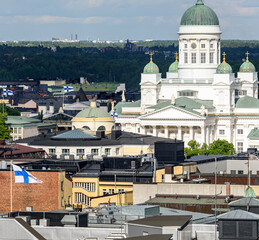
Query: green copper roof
[253, 134]
[12, 120]
[151, 68]
[93, 112]
[174, 67]
[75, 134]
[118, 107]
[250, 192]
[199, 14]
[224, 68]
[247, 67]
[247, 102]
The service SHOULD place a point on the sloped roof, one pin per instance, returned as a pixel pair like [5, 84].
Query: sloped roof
[21, 120]
[254, 134]
[246, 201]
[118, 107]
[75, 134]
[247, 102]
[186, 103]
[239, 215]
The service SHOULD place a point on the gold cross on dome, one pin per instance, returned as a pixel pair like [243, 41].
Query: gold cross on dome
[151, 54]
[224, 57]
[176, 56]
[247, 56]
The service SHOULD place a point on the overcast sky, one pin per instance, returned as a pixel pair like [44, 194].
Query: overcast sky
[118, 19]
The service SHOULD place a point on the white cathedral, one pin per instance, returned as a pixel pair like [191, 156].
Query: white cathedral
[200, 98]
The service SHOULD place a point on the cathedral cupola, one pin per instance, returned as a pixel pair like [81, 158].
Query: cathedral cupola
[247, 66]
[224, 67]
[199, 14]
[174, 66]
[151, 67]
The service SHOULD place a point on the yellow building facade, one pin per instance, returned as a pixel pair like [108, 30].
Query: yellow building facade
[90, 192]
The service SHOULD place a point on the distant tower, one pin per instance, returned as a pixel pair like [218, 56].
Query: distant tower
[76, 37]
[71, 36]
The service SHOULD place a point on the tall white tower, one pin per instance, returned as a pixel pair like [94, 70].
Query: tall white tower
[199, 43]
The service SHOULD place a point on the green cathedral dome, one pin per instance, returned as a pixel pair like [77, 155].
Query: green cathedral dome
[224, 67]
[247, 66]
[199, 14]
[151, 67]
[174, 67]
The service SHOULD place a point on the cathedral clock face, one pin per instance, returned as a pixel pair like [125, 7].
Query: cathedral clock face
[193, 45]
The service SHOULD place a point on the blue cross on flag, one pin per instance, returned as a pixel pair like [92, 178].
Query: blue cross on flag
[114, 114]
[22, 176]
[8, 92]
[68, 89]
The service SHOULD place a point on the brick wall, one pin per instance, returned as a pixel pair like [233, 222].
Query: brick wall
[42, 197]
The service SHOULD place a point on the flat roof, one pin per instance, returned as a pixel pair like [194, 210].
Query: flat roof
[152, 237]
[163, 221]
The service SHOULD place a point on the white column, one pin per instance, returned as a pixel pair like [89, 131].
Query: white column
[191, 133]
[203, 135]
[179, 135]
[154, 131]
[166, 132]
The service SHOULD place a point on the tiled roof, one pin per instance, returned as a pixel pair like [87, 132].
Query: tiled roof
[75, 134]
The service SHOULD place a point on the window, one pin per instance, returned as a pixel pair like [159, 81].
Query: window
[80, 152]
[19, 130]
[62, 202]
[101, 128]
[185, 45]
[62, 186]
[187, 94]
[203, 45]
[111, 191]
[65, 151]
[240, 92]
[90, 187]
[86, 128]
[52, 151]
[104, 192]
[203, 57]
[107, 151]
[245, 229]
[121, 191]
[240, 147]
[233, 172]
[240, 131]
[240, 172]
[221, 132]
[185, 57]
[117, 151]
[193, 57]
[81, 198]
[211, 45]
[95, 151]
[15, 130]
[211, 57]
[229, 229]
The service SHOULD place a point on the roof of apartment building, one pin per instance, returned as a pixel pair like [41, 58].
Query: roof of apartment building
[152, 237]
[163, 221]
[69, 138]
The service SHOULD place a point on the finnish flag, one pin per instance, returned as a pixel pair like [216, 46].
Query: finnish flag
[114, 115]
[22, 176]
[8, 92]
[68, 89]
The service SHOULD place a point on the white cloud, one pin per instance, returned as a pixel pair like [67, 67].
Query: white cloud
[57, 19]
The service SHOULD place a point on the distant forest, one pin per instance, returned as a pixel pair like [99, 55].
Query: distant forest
[100, 62]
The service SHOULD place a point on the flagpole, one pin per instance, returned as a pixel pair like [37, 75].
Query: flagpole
[11, 178]
[3, 102]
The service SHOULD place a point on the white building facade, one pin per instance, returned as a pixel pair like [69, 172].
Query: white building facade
[200, 98]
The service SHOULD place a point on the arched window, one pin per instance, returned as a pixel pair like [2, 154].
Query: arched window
[101, 128]
[86, 128]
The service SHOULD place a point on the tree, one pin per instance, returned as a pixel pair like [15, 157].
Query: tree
[221, 147]
[9, 111]
[4, 131]
[40, 115]
[218, 147]
[193, 149]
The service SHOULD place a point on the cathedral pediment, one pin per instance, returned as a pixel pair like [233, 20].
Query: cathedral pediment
[148, 84]
[172, 112]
